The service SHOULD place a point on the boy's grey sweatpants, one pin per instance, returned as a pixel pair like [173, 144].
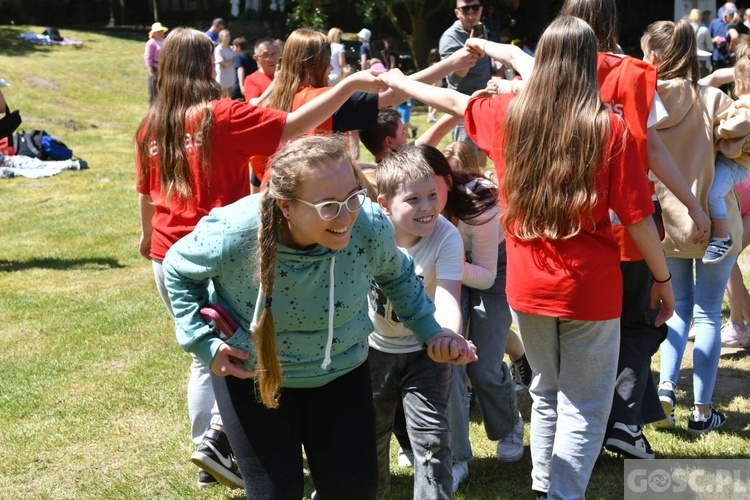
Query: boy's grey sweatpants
[574, 365]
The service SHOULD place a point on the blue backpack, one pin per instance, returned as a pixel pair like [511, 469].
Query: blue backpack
[39, 144]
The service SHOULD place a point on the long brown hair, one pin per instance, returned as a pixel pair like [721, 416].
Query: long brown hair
[549, 182]
[306, 56]
[185, 91]
[601, 15]
[676, 48]
[293, 165]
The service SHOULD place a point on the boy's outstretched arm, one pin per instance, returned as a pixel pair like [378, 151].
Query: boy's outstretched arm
[449, 346]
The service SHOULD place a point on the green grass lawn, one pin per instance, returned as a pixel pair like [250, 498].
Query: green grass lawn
[92, 382]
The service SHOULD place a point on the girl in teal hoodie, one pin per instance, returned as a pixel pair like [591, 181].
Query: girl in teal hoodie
[306, 249]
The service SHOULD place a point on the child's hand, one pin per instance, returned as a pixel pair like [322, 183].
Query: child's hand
[704, 226]
[392, 78]
[476, 46]
[662, 293]
[228, 361]
[465, 57]
[367, 81]
[449, 347]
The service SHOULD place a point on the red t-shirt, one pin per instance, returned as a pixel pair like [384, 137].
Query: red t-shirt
[239, 131]
[627, 86]
[577, 278]
[255, 84]
[261, 165]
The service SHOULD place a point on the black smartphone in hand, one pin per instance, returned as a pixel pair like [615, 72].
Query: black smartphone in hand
[477, 31]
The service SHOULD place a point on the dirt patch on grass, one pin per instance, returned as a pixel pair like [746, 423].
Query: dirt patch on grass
[42, 83]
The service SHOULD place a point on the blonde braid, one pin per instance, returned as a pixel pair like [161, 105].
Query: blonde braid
[264, 337]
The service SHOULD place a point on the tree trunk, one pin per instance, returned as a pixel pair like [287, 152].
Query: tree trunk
[419, 17]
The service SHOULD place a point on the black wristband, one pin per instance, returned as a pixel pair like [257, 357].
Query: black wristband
[665, 281]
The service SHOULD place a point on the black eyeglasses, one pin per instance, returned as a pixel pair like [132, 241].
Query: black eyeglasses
[329, 210]
[467, 8]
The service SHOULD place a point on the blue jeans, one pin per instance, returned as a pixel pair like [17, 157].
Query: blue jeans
[574, 365]
[488, 317]
[459, 134]
[698, 299]
[424, 388]
[728, 174]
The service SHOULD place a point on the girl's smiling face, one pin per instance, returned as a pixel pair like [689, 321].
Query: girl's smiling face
[304, 227]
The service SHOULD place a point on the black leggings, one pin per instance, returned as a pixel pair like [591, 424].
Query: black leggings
[335, 424]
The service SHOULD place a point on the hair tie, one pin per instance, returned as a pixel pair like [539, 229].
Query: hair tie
[267, 304]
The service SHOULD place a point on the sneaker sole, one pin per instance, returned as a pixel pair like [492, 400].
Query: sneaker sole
[509, 460]
[218, 471]
[668, 422]
[622, 448]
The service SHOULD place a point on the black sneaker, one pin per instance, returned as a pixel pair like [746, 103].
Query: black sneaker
[520, 371]
[214, 455]
[698, 424]
[205, 479]
[623, 440]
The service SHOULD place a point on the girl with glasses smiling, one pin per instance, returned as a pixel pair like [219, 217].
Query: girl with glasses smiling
[293, 266]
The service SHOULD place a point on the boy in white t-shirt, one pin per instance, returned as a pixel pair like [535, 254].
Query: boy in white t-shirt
[400, 367]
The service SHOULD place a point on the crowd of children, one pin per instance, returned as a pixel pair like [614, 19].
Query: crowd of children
[372, 301]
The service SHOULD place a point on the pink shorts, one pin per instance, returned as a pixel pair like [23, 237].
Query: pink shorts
[742, 190]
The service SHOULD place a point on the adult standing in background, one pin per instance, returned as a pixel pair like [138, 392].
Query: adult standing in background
[365, 54]
[267, 55]
[389, 54]
[338, 56]
[224, 63]
[718, 30]
[213, 32]
[151, 57]
[244, 66]
[468, 12]
[703, 37]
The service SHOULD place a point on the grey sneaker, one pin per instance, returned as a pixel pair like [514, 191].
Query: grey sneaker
[510, 448]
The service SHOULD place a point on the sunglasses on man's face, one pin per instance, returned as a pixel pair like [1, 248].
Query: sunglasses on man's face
[470, 8]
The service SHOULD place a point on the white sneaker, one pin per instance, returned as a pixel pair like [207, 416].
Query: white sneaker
[405, 458]
[510, 448]
[460, 474]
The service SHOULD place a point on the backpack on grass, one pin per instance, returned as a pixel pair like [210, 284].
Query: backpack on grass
[39, 144]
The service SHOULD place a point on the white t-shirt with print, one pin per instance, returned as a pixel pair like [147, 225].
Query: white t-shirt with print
[439, 256]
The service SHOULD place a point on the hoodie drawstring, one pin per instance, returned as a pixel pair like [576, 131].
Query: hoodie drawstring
[329, 343]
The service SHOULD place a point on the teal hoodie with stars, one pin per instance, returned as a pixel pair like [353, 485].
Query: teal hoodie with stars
[315, 346]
